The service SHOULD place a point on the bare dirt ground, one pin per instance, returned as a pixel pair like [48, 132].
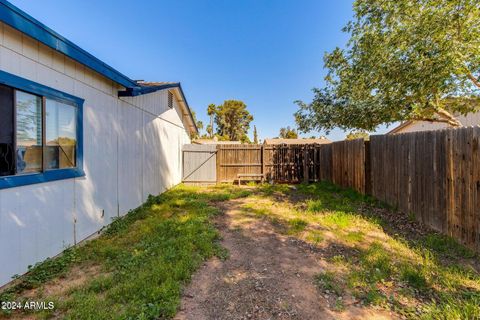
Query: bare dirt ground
[267, 276]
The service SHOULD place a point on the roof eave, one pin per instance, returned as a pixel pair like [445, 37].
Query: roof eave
[140, 90]
[23, 22]
[26, 24]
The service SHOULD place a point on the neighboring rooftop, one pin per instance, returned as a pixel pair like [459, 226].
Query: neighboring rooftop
[400, 127]
[214, 141]
[297, 141]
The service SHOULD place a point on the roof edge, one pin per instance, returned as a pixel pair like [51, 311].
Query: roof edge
[400, 127]
[23, 22]
[137, 91]
[28, 25]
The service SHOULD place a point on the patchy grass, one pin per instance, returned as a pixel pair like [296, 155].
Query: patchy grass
[328, 283]
[427, 277]
[447, 246]
[143, 260]
[297, 225]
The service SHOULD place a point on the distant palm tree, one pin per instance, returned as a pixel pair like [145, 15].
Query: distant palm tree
[211, 109]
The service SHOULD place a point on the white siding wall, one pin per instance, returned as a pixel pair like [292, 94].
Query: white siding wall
[131, 149]
[471, 119]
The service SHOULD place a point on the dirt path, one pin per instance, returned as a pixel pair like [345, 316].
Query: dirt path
[267, 276]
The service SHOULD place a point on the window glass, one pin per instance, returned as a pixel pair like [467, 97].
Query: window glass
[29, 132]
[60, 132]
[7, 149]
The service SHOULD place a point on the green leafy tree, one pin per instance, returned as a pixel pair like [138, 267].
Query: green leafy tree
[209, 131]
[358, 135]
[405, 60]
[233, 120]
[245, 139]
[255, 135]
[199, 125]
[211, 110]
[288, 133]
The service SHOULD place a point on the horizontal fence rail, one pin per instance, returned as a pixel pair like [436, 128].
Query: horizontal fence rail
[236, 159]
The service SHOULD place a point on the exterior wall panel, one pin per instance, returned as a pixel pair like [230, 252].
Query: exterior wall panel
[132, 148]
[130, 165]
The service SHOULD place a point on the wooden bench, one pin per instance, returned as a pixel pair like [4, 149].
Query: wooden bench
[250, 176]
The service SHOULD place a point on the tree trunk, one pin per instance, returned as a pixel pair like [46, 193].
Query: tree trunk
[211, 126]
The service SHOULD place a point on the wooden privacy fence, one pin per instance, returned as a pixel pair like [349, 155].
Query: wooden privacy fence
[434, 175]
[234, 159]
[341, 162]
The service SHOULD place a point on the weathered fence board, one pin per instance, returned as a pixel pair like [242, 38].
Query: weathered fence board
[199, 164]
[348, 164]
[434, 175]
[238, 159]
[284, 163]
[341, 162]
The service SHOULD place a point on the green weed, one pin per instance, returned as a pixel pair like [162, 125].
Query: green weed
[297, 225]
[446, 245]
[145, 258]
[327, 281]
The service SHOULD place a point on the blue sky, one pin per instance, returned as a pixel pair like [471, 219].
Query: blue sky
[267, 53]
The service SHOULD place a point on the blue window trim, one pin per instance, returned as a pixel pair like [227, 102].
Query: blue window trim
[23, 22]
[19, 83]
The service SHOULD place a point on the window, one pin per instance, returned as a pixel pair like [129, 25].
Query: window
[60, 131]
[40, 133]
[170, 99]
[28, 132]
[7, 150]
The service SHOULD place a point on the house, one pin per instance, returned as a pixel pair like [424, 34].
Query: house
[471, 119]
[80, 143]
[297, 141]
[214, 141]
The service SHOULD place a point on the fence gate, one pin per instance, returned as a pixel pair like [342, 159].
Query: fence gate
[199, 164]
[237, 159]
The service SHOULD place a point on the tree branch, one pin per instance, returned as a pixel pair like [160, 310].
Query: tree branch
[443, 116]
[449, 122]
[448, 116]
[474, 80]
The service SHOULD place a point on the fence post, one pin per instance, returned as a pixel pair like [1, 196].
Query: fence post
[305, 164]
[262, 150]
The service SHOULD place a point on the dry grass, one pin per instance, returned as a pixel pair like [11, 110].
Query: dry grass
[428, 276]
